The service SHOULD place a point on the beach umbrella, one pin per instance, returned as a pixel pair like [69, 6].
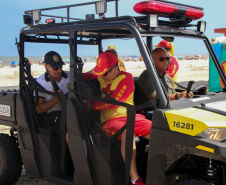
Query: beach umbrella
[133, 56]
[15, 63]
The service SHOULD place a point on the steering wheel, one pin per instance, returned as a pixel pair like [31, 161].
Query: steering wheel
[188, 89]
[200, 90]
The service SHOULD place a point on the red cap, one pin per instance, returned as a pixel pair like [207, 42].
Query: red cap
[105, 61]
[163, 44]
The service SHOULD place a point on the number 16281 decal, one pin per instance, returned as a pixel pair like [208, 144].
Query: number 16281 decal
[187, 126]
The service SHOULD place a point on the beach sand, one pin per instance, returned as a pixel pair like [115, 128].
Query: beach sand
[197, 70]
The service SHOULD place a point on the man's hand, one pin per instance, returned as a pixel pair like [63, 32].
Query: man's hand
[60, 91]
[44, 106]
[56, 99]
[184, 94]
[87, 104]
[180, 95]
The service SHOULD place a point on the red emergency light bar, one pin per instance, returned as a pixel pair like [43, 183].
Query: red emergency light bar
[168, 9]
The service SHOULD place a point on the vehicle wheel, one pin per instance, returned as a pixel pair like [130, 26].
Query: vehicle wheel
[194, 182]
[10, 160]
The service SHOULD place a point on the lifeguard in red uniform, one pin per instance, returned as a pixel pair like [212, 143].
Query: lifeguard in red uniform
[120, 85]
[223, 65]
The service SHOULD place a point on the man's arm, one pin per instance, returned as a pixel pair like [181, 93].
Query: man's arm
[180, 95]
[44, 106]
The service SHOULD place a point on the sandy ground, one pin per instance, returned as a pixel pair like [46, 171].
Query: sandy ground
[196, 70]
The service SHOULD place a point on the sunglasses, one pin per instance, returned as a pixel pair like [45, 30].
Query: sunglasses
[110, 70]
[56, 68]
[161, 59]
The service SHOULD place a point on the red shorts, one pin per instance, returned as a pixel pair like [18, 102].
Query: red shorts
[142, 125]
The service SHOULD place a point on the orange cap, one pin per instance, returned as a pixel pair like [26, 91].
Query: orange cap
[163, 44]
[112, 47]
[105, 61]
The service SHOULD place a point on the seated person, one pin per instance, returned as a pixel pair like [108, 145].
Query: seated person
[119, 85]
[47, 103]
[161, 60]
[173, 66]
[121, 64]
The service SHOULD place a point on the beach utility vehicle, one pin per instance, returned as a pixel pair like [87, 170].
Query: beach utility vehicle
[187, 139]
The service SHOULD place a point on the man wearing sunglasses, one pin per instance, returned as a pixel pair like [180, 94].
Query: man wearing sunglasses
[161, 61]
[173, 67]
[54, 74]
[120, 85]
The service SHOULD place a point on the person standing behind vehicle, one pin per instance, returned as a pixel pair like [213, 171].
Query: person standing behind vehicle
[173, 67]
[120, 85]
[223, 65]
[121, 64]
[47, 103]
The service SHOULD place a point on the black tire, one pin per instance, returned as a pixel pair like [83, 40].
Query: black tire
[194, 182]
[10, 160]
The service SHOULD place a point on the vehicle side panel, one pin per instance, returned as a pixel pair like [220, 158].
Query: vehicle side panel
[76, 143]
[25, 139]
[8, 108]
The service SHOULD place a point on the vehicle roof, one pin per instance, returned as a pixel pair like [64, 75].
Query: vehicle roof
[101, 28]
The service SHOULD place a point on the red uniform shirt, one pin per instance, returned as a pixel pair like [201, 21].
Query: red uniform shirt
[113, 116]
[223, 65]
[173, 68]
[121, 89]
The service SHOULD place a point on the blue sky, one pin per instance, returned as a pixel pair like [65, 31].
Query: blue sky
[11, 17]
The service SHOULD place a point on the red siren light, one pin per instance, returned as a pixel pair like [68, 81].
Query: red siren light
[50, 21]
[168, 9]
